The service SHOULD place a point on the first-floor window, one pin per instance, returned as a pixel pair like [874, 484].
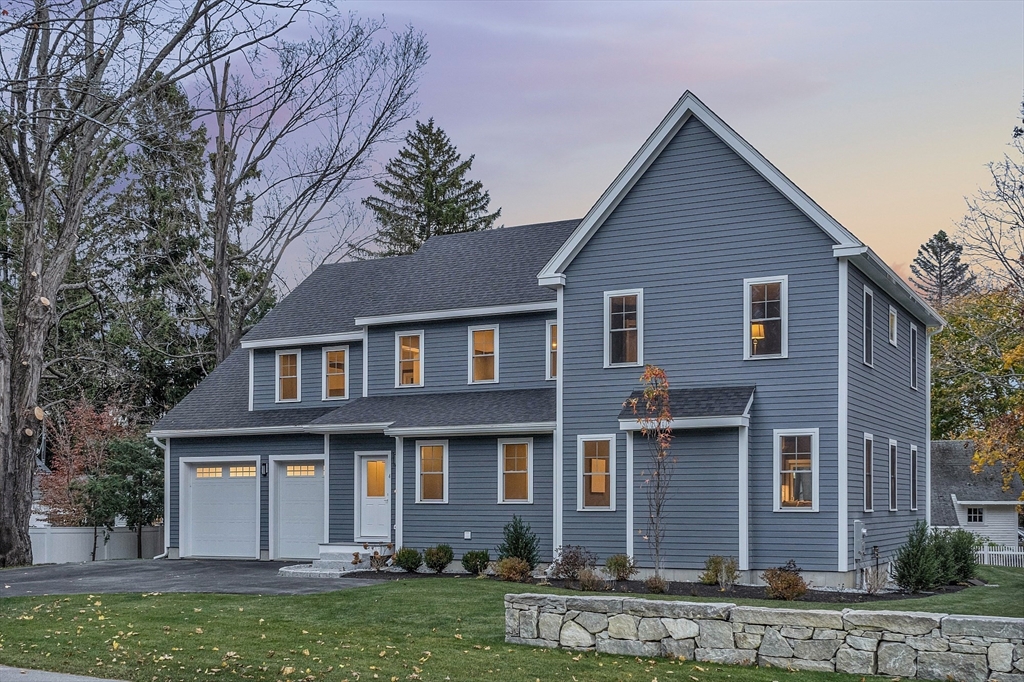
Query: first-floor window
[869, 479]
[515, 461]
[597, 460]
[432, 472]
[893, 461]
[796, 460]
[913, 477]
[975, 515]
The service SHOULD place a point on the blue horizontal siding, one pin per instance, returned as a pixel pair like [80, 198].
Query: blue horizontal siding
[265, 376]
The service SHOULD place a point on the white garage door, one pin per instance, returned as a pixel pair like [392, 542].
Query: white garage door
[298, 509]
[224, 511]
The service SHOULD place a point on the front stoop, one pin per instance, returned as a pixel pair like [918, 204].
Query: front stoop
[335, 561]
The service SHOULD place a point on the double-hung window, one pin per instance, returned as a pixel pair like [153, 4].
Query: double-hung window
[624, 328]
[913, 357]
[765, 317]
[893, 479]
[408, 359]
[894, 323]
[796, 469]
[913, 477]
[483, 355]
[596, 472]
[868, 327]
[432, 471]
[869, 477]
[335, 363]
[289, 365]
[515, 471]
[552, 350]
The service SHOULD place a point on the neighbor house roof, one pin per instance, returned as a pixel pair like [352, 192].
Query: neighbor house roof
[952, 475]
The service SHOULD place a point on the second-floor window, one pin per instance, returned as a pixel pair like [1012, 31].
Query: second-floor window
[893, 461]
[483, 355]
[913, 357]
[552, 344]
[765, 317]
[624, 327]
[869, 326]
[288, 376]
[408, 359]
[335, 373]
[894, 325]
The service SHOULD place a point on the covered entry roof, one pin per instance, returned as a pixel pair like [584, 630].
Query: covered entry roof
[694, 408]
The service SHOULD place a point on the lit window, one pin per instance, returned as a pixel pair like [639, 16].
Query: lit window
[624, 328]
[300, 470]
[893, 500]
[242, 472]
[515, 484]
[869, 479]
[913, 477]
[209, 472]
[552, 350]
[376, 477]
[409, 351]
[483, 355]
[796, 469]
[975, 515]
[869, 324]
[287, 376]
[597, 472]
[766, 317]
[913, 357]
[893, 326]
[432, 465]
[335, 373]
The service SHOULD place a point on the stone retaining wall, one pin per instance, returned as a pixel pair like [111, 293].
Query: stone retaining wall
[930, 646]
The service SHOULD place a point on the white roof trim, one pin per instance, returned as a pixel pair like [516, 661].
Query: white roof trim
[883, 276]
[991, 503]
[690, 423]
[380, 427]
[205, 433]
[472, 429]
[303, 340]
[370, 427]
[688, 105]
[454, 313]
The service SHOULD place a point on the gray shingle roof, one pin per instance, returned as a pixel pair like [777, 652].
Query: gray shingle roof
[462, 408]
[487, 268]
[221, 401]
[707, 401]
[952, 475]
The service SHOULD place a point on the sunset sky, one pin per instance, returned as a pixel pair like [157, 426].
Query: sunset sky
[885, 113]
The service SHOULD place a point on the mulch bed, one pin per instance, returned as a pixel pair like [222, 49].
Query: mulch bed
[681, 589]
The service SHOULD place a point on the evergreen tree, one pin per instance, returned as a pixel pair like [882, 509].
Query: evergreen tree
[938, 272]
[426, 193]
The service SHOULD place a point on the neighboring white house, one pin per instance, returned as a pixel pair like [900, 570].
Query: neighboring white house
[975, 502]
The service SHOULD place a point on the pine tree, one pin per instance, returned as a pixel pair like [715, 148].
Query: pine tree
[938, 272]
[426, 193]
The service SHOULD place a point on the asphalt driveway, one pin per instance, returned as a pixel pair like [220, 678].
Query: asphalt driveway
[164, 575]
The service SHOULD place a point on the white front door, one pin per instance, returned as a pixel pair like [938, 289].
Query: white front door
[374, 496]
[298, 509]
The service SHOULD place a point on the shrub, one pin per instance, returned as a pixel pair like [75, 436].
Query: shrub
[621, 566]
[476, 561]
[591, 581]
[438, 558]
[656, 585]
[915, 566]
[784, 582]
[571, 560]
[409, 559]
[719, 570]
[513, 569]
[961, 545]
[520, 542]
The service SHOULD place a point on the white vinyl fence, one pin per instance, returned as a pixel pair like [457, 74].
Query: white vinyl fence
[1001, 555]
[72, 545]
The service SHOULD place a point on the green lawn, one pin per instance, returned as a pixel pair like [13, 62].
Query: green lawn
[444, 629]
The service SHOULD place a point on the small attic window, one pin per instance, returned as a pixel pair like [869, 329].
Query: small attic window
[975, 515]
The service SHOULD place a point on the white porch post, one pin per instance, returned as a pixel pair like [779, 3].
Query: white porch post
[399, 487]
[744, 498]
[629, 493]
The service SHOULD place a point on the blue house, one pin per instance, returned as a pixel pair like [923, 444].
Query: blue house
[428, 398]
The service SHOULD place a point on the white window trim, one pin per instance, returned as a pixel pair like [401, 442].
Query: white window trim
[608, 295]
[784, 304]
[444, 445]
[297, 352]
[893, 322]
[502, 442]
[323, 366]
[777, 466]
[611, 438]
[867, 339]
[398, 358]
[914, 478]
[469, 353]
[894, 476]
[967, 515]
[915, 336]
[868, 438]
[547, 350]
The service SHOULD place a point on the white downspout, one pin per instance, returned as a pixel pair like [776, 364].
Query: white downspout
[167, 497]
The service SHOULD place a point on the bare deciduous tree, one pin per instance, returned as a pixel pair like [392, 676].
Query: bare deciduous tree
[69, 71]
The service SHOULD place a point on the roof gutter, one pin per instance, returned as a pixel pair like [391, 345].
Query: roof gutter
[378, 427]
[455, 313]
[884, 277]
